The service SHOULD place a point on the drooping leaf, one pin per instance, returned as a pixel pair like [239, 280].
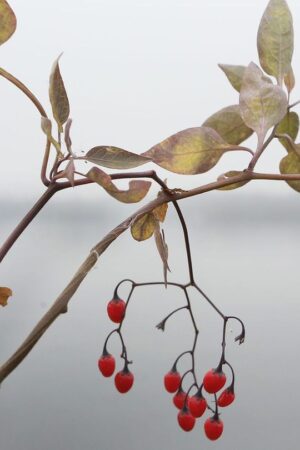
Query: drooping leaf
[262, 104]
[8, 21]
[234, 74]
[143, 227]
[115, 158]
[291, 164]
[46, 126]
[160, 211]
[162, 250]
[69, 172]
[288, 125]
[5, 293]
[226, 176]
[275, 39]
[229, 125]
[136, 192]
[58, 96]
[289, 80]
[67, 136]
[189, 152]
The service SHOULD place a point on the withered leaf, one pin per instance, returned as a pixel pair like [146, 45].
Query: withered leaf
[162, 250]
[58, 96]
[8, 21]
[135, 193]
[143, 227]
[115, 158]
[275, 39]
[289, 80]
[234, 74]
[5, 293]
[46, 126]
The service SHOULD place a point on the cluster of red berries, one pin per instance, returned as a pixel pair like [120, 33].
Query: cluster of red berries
[124, 378]
[193, 407]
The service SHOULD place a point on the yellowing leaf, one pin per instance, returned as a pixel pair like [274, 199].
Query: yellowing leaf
[143, 227]
[115, 158]
[291, 164]
[160, 212]
[262, 104]
[275, 39]
[5, 293]
[228, 175]
[58, 96]
[289, 80]
[229, 125]
[136, 192]
[8, 21]
[189, 152]
[288, 125]
[234, 74]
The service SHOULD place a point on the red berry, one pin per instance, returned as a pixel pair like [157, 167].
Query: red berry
[213, 428]
[124, 380]
[172, 381]
[179, 398]
[186, 420]
[197, 405]
[226, 397]
[107, 364]
[116, 310]
[214, 380]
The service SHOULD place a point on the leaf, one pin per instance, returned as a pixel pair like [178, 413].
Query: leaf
[234, 74]
[8, 21]
[289, 80]
[58, 96]
[143, 227]
[291, 164]
[288, 125]
[189, 152]
[46, 126]
[262, 104]
[230, 187]
[136, 192]
[67, 136]
[162, 250]
[69, 172]
[160, 211]
[275, 39]
[229, 125]
[5, 293]
[115, 158]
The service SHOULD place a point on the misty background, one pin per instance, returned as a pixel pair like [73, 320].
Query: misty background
[137, 72]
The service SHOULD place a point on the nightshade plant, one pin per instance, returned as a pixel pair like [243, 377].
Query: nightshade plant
[263, 108]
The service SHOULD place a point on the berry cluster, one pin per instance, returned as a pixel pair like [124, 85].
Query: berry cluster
[191, 407]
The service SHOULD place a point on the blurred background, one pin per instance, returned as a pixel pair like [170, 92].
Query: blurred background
[137, 72]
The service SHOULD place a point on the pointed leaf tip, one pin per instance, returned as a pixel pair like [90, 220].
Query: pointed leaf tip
[58, 96]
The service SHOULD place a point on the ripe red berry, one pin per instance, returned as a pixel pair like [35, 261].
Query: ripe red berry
[124, 380]
[172, 380]
[107, 364]
[214, 380]
[186, 420]
[226, 397]
[213, 428]
[116, 310]
[197, 405]
[179, 398]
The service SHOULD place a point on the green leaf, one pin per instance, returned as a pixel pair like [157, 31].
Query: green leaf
[58, 96]
[8, 21]
[275, 39]
[162, 250]
[262, 104]
[230, 187]
[289, 125]
[189, 152]
[229, 125]
[289, 80]
[234, 74]
[136, 192]
[291, 164]
[115, 158]
[143, 227]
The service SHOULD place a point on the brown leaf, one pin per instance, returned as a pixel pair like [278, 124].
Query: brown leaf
[136, 192]
[291, 164]
[228, 175]
[189, 152]
[143, 227]
[162, 250]
[229, 124]
[234, 74]
[5, 292]
[115, 158]
[58, 96]
[8, 21]
[275, 39]
[289, 125]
